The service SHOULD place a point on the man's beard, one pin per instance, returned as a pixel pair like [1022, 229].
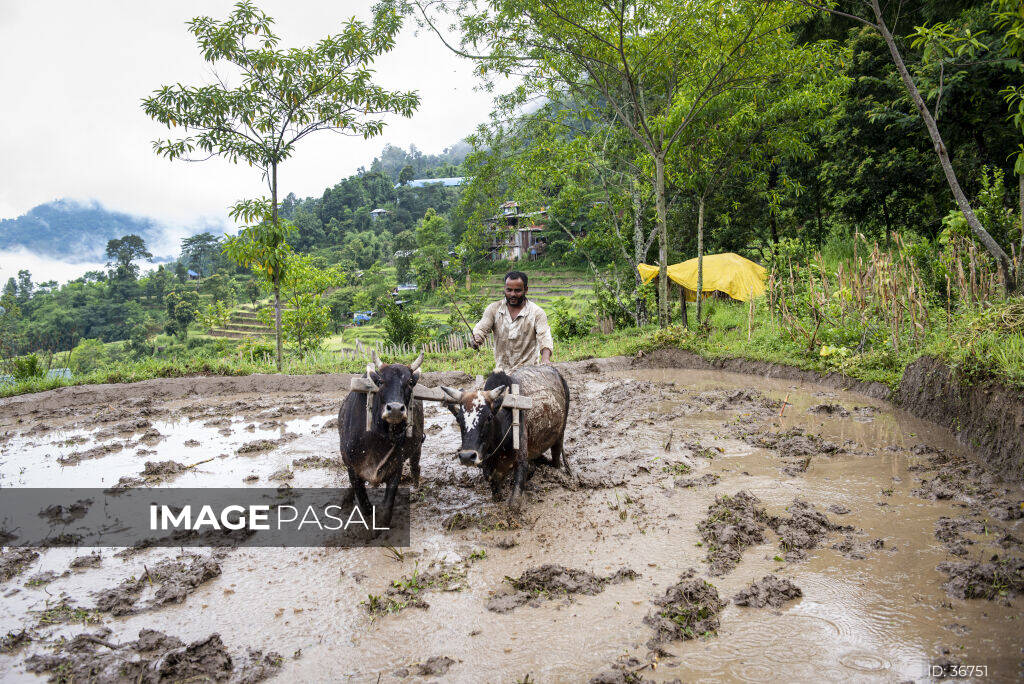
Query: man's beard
[513, 300]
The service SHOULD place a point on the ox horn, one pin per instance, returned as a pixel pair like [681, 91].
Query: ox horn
[497, 393]
[416, 364]
[377, 363]
[453, 393]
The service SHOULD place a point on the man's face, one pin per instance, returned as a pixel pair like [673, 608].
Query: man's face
[515, 292]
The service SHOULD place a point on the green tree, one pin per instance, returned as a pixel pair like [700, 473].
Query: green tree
[200, 252]
[284, 95]
[123, 253]
[433, 241]
[182, 309]
[219, 288]
[401, 325]
[307, 319]
[406, 175]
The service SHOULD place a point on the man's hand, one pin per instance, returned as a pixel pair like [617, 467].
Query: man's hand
[545, 355]
[477, 341]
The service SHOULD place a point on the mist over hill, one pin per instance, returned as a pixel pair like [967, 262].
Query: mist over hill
[77, 231]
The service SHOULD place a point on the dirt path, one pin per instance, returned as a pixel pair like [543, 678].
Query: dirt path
[853, 535]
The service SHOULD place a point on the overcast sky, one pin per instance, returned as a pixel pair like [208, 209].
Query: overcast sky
[73, 74]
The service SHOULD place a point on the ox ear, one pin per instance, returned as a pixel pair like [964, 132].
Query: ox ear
[378, 364]
[496, 395]
[456, 395]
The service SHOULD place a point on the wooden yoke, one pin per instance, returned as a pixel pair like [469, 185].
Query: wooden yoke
[513, 401]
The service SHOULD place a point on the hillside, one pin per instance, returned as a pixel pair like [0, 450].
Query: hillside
[76, 231]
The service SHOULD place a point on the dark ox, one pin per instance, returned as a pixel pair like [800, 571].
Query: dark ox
[487, 430]
[396, 433]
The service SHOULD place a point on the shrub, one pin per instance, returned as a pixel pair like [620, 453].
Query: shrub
[568, 322]
[25, 367]
[89, 355]
[401, 324]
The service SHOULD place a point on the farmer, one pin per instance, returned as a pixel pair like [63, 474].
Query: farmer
[522, 336]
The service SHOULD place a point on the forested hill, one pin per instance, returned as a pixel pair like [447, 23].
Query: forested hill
[74, 231]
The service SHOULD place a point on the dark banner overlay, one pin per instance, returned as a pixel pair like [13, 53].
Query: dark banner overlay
[158, 516]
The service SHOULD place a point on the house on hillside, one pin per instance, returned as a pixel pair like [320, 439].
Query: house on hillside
[516, 235]
[192, 275]
[379, 213]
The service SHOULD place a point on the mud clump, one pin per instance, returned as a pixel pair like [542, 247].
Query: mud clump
[707, 480]
[992, 579]
[829, 410]
[153, 657]
[176, 579]
[434, 667]
[14, 562]
[856, 549]
[805, 529]
[950, 531]
[58, 513]
[98, 451]
[732, 524]
[552, 581]
[256, 446]
[91, 560]
[768, 591]
[723, 400]
[794, 443]
[688, 609]
[162, 468]
[315, 462]
[408, 591]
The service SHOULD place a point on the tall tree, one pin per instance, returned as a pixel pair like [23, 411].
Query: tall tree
[636, 55]
[283, 96]
[869, 13]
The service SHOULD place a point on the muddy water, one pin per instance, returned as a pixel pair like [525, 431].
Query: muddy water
[883, 617]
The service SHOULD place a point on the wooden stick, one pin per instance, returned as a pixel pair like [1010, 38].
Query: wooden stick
[515, 418]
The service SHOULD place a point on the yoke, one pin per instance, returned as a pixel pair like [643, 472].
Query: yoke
[513, 401]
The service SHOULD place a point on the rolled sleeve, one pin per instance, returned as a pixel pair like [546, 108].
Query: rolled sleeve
[486, 323]
[544, 339]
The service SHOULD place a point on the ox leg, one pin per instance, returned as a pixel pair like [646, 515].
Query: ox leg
[414, 464]
[558, 456]
[359, 487]
[389, 499]
[519, 472]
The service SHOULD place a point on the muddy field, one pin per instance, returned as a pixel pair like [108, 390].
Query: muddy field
[701, 537]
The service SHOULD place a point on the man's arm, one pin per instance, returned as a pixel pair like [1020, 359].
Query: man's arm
[544, 339]
[485, 325]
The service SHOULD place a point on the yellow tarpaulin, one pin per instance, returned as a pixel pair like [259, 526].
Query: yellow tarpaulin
[730, 273]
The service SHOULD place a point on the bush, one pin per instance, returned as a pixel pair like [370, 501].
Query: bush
[401, 325]
[89, 355]
[568, 322]
[25, 367]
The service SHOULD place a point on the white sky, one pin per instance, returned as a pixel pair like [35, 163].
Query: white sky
[73, 73]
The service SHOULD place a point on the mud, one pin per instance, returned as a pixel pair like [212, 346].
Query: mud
[804, 529]
[655, 451]
[152, 657]
[732, 524]
[551, 582]
[768, 591]
[688, 610]
[172, 579]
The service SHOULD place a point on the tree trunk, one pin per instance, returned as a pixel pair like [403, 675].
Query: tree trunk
[700, 258]
[659, 193]
[682, 306]
[1020, 252]
[773, 180]
[639, 256]
[277, 281]
[940, 149]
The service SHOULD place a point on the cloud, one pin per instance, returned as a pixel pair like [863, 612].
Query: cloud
[42, 268]
[74, 103]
